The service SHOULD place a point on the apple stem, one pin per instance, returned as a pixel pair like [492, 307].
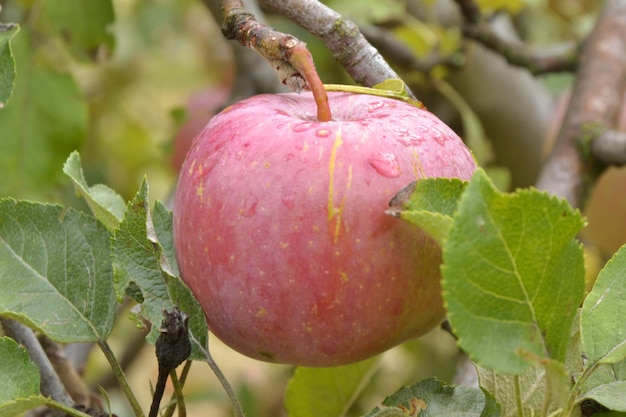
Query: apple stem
[302, 60]
[288, 55]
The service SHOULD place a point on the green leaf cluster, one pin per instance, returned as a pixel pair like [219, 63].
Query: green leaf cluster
[62, 271]
[513, 281]
[513, 285]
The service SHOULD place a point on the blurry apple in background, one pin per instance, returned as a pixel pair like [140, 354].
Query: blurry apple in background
[201, 106]
[280, 226]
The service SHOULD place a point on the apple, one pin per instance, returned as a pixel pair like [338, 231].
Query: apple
[281, 233]
[200, 107]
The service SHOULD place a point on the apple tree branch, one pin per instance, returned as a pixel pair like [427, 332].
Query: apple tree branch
[477, 28]
[287, 54]
[596, 101]
[348, 46]
[51, 385]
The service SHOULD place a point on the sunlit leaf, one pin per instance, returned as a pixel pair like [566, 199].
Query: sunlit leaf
[505, 261]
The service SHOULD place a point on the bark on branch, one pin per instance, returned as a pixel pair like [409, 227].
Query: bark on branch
[348, 46]
[564, 58]
[51, 385]
[596, 100]
[288, 55]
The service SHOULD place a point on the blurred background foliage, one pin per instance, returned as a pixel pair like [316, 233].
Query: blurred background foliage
[128, 83]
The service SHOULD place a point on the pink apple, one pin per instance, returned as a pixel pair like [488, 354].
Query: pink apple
[201, 106]
[281, 232]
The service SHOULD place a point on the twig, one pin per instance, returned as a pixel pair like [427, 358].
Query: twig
[132, 348]
[121, 378]
[51, 385]
[287, 55]
[563, 59]
[75, 385]
[596, 99]
[252, 75]
[178, 393]
[225, 384]
[180, 382]
[349, 47]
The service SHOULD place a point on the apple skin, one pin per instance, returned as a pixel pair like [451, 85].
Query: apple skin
[281, 233]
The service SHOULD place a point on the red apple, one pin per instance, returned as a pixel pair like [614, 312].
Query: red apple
[281, 233]
[201, 106]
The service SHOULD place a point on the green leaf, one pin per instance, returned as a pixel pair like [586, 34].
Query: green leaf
[21, 405]
[145, 269]
[612, 395]
[163, 226]
[431, 205]
[373, 12]
[603, 374]
[44, 121]
[491, 6]
[393, 85]
[327, 392]
[398, 93]
[504, 264]
[19, 377]
[433, 398]
[7, 63]
[602, 324]
[107, 205]
[56, 271]
[84, 25]
[532, 387]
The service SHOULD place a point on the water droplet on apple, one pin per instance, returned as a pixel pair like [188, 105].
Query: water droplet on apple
[301, 127]
[386, 164]
[289, 201]
[408, 137]
[322, 133]
[437, 136]
[375, 105]
[249, 206]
